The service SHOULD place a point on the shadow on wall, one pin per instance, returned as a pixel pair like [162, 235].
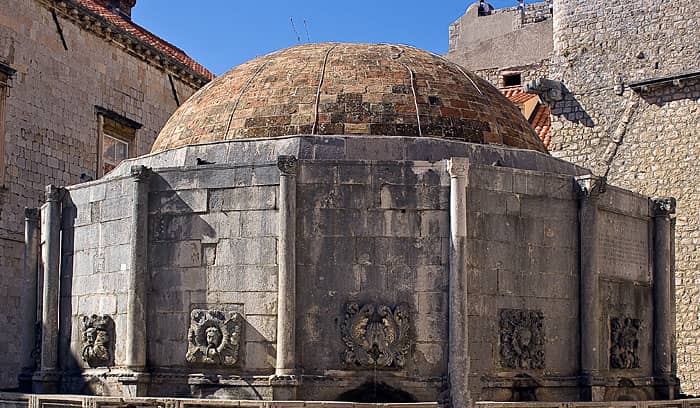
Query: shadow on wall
[570, 109]
[67, 361]
[662, 96]
[376, 393]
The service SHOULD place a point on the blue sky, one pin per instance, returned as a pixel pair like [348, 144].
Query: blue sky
[222, 34]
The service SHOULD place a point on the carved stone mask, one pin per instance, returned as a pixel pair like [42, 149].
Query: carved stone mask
[213, 337]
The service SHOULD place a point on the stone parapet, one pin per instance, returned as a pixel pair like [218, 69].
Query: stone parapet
[35, 401]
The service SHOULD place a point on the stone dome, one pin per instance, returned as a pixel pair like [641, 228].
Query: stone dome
[349, 89]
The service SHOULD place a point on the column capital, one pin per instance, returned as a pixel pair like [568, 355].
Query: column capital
[663, 206]
[31, 214]
[590, 186]
[140, 172]
[288, 165]
[53, 193]
[458, 167]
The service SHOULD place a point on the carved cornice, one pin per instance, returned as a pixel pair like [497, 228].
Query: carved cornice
[288, 165]
[93, 22]
[663, 206]
[31, 214]
[590, 186]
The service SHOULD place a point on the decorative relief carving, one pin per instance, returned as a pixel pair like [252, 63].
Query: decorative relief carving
[624, 342]
[522, 339]
[664, 206]
[97, 333]
[288, 164]
[376, 336]
[214, 338]
[590, 186]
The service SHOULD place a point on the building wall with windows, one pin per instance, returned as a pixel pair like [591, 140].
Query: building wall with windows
[75, 87]
[505, 42]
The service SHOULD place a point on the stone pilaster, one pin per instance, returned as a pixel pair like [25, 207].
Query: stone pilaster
[663, 211]
[28, 308]
[458, 354]
[589, 190]
[46, 379]
[136, 317]
[286, 260]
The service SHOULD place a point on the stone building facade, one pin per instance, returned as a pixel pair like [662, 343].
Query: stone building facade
[81, 86]
[631, 112]
[353, 222]
[628, 75]
[506, 46]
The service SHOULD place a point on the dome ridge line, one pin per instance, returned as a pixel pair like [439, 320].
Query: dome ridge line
[320, 84]
[413, 84]
[346, 89]
[459, 68]
[243, 90]
[413, 88]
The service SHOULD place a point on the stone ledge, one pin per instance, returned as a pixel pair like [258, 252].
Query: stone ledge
[36, 401]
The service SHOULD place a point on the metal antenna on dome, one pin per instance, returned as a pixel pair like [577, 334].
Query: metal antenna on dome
[294, 29]
[306, 27]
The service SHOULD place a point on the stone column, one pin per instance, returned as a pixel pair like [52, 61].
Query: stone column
[136, 317]
[663, 212]
[28, 308]
[46, 380]
[286, 260]
[590, 188]
[458, 354]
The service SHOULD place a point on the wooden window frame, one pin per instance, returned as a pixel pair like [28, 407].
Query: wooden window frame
[113, 125]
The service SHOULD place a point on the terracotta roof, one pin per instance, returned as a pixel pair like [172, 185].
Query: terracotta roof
[540, 119]
[100, 8]
[542, 122]
[349, 89]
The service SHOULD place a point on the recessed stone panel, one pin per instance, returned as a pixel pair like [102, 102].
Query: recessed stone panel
[624, 247]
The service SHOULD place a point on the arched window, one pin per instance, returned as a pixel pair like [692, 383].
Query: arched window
[376, 393]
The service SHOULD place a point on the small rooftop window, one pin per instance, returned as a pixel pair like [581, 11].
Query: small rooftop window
[512, 79]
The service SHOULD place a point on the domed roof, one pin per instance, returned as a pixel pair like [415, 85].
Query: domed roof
[349, 89]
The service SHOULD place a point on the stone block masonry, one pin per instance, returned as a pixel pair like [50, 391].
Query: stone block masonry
[643, 139]
[51, 136]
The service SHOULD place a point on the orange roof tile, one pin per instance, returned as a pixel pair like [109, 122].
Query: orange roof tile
[540, 120]
[100, 8]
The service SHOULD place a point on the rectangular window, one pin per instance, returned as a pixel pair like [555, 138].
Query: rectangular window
[512, 79]
[117, 140]
[5, 75]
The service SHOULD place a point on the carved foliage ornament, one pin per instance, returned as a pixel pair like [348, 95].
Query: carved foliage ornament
[590, 186]
[522, 339]
[288, 165]
[664, 206]
[376, 336]
[97, 333]
[214, 338]
[624, 342]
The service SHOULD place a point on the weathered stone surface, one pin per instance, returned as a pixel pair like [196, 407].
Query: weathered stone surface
[642, 139]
